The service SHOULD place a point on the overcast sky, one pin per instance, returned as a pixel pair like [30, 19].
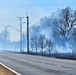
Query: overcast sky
[11, 9]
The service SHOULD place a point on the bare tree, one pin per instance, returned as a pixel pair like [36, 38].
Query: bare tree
[42, 42]
[72, 42]
[64, 20]
[34, 43]
[49, 45]
[4, 37]
[34, 33]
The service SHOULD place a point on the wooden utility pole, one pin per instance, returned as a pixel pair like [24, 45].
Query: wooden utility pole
[27, 34]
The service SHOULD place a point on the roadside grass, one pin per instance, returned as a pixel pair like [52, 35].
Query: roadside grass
[5, 71]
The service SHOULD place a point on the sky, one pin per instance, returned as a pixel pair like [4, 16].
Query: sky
[36, 9]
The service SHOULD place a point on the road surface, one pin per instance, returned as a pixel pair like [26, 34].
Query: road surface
[37, 65]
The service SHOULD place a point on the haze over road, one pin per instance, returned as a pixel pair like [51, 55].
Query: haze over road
[37, 65]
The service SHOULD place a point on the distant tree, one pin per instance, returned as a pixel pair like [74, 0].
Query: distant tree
[72, 42]
[42, 42]
[34, 33]
[34, 43]
[4, 37]
[49, 45]
[31, 44]
[64, 20]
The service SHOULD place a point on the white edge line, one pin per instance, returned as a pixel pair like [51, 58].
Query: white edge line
[10, 69]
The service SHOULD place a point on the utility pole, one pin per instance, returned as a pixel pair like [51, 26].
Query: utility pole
[27, 34]
[20, 18]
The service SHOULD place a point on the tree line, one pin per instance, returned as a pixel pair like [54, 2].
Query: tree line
[55, 34]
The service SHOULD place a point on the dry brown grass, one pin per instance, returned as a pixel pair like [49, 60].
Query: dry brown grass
[5, 71]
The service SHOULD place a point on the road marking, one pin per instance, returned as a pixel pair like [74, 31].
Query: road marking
[59, 65]
[10, 69]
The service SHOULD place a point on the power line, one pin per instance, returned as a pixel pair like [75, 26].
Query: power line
[14, 28]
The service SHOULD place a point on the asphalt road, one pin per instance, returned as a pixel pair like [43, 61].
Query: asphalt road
[37, 65]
